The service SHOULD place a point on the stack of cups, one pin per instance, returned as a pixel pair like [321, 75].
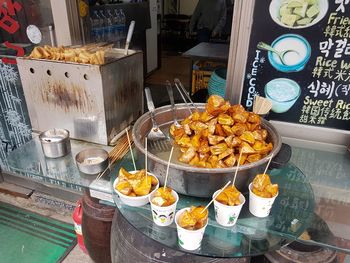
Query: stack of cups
[227, 215]
[189, 239]
[163, 215]
[260, 206]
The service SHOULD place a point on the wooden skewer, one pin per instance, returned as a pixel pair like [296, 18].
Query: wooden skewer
[118, 148]
[239, 161]
[122, 152]
[267, 166]
[118, 151]
[132, 155]
[146, 150]
[167, 169]
[212, 200]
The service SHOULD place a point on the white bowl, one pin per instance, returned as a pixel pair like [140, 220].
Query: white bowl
[134, 200]
[275, 6]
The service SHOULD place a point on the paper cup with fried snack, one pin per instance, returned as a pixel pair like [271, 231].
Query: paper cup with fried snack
[187, 238]
[260, 206]
[163, 209]
[227, 215]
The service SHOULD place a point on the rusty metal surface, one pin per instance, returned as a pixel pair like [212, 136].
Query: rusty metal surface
[91, 101]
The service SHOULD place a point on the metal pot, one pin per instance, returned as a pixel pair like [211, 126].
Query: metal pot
[194, 181]
[55, 143]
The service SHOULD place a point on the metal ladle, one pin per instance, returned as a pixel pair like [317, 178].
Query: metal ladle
[280, 54]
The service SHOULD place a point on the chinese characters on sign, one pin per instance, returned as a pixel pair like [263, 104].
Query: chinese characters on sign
[329, 91]
[8, 9]
[308, 79]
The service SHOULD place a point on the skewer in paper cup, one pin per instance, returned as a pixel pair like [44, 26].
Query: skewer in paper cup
[260, 206]
[189, 239]
[164, 201]
[163, 215]
[226, 214]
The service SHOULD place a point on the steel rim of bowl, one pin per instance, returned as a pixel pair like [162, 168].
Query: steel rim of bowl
[91, 168]
[266, 125]
[65, 133]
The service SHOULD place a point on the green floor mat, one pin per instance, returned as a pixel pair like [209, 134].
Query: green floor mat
[28, 237]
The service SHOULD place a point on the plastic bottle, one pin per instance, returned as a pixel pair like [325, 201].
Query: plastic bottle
[122, 23]
[104, 26]
[110, 34]
[117, 27]
[95, 27]
[113, 26]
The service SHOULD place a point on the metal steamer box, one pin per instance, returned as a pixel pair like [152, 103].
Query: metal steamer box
[93, 102]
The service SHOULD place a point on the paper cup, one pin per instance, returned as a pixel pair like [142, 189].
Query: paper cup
[189, 239]
[227, 215]
[163, 216]
[260, 206]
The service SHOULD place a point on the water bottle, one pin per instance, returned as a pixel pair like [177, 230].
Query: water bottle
[122, 22]
[109, 26]
[95, 27]
[104, 26]
[117, 27]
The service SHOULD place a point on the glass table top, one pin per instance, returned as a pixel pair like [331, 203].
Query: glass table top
[29, 161]
[291, 214]
[314, 190]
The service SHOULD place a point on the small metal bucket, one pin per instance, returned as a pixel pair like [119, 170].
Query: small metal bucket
[55, 143]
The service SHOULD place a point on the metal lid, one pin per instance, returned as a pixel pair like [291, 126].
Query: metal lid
[54, 136]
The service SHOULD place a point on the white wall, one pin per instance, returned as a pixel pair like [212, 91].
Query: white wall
[187, 6]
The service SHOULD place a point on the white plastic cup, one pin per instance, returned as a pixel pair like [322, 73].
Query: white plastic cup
[227, 215]
[189, 239]
[260, 206]
[163, 215]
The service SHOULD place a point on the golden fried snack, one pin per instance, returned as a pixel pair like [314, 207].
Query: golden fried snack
[136, 184]
[230, 196]
[263, 187]
[194, 219]
[215, 137]
[77, 55]
[163, 197]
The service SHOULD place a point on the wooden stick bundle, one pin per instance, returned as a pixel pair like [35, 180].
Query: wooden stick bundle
[118, 151]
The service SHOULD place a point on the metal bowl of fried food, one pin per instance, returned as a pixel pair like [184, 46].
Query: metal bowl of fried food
[189, 180]
[92, 160]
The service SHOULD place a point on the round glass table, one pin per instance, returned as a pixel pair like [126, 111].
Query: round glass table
[291, 214]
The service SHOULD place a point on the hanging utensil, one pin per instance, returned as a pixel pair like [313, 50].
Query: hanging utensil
[156, 138]
[172, 102]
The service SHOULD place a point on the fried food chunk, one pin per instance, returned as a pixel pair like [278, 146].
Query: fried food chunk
[135, 184]
[69, 54]
[230, 196]
[163, 197]
[223, 131]
[263, 187]
[194, 219]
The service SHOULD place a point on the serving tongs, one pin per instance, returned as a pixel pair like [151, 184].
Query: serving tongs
[157, 140]
[183, 92]
[172, 102]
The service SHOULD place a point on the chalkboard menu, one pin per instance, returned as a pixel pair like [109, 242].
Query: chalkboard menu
[307, 75]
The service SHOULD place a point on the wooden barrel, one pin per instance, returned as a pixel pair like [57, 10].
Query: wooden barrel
[96, 227]
[128, 245]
